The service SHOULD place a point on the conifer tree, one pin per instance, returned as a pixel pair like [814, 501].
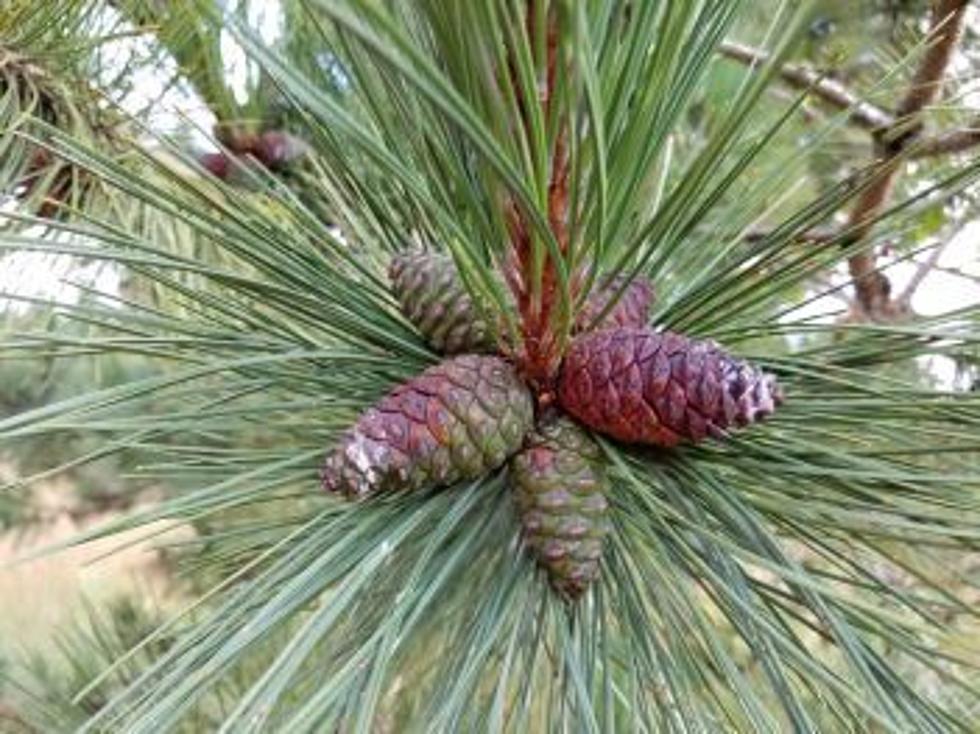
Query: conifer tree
[490, 408]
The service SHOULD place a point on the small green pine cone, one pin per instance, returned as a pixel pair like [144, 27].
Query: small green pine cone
[432, 296]
[561, 498]
[457, 420]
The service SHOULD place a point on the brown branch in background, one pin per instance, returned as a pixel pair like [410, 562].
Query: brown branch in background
[954, 141]
[945, 28]
[816, 235]
[872, 288]
[862, 113]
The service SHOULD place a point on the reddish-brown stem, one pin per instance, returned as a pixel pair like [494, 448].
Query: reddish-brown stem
[539, 355]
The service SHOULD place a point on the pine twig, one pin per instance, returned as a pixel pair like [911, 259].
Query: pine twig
[862, 113]
[922, 272]
[954, 141]
[957, 272]
[817, 235]
[540, 351]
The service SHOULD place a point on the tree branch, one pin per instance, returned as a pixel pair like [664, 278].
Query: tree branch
[954, 141]
[922, 272]
[815, 235]
[862, 113]
[957, 272]
[872, 287]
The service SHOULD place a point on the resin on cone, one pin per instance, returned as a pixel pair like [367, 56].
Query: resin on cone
[457, 420]
[631, 310]
[640, 386]
[434, 299]
[560, 490]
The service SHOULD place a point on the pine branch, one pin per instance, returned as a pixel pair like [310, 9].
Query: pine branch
[46, 85]
[813, 235]
[862, 113]
[725, 559]
[865, 115]
[922, 272]
[871, 286]
[953, 141]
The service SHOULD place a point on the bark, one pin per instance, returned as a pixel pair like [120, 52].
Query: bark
[954, 141]
[872, 288]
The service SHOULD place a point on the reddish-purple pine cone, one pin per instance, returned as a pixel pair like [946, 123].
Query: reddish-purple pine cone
[277, 149]
[640, 386]
[631, 310]
[456, 421]
[217, 164]
[560, 490]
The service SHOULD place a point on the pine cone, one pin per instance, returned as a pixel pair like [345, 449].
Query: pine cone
[457, 420]
[277, 149]
[434, 299]
[639, 386]
[561, 496]
[631, 310]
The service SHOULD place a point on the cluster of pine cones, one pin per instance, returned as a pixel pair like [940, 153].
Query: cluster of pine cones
[472, 413]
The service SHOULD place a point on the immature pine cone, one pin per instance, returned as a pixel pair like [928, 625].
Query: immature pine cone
[434, 299]
[639, 386]
[561, 496]
[457, 420]
[632, 309]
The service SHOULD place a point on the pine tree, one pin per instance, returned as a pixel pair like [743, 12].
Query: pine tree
[557, 155]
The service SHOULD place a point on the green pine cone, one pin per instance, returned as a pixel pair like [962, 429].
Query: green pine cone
[434, 299]
[457, 420]
[561, 497]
